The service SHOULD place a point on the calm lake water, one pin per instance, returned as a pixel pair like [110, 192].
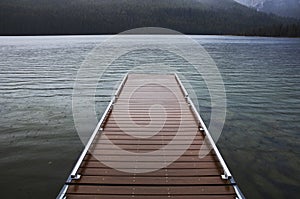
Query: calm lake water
[260, 141]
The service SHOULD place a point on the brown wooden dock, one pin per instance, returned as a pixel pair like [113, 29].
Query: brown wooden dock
[153, 122]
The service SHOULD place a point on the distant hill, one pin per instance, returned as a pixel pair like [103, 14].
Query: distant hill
[48, 17]
[287, 8]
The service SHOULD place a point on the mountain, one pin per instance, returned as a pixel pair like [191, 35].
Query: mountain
[287, 8]
[48, 17]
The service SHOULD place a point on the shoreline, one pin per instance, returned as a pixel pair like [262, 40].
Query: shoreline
[112, 34]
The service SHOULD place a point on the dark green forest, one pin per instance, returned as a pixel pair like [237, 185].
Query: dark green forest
[60, 17]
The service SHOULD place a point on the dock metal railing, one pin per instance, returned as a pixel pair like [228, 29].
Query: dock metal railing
[74, 174]
[202, 127]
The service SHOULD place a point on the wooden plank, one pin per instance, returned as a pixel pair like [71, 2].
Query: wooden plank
[152, 142]
[150, 180]
[151, 190]
[134, 137]
[149, 101]
[168, 122]
[152, 116]
[130, 196]
[164, 129]
[158, 155]
[147, 110]
[161, 172]
[183, 126]
[150, 145]
[167, 153]
[179, 133]
[207, 158]
[155, 137]
[152, 165]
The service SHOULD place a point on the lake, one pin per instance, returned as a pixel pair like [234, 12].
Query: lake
[260, 140]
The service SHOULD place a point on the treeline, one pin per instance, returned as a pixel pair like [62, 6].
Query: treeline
[282, 30]
[21, 17]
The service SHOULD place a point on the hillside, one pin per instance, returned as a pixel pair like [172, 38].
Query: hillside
[287, 8]
[36, 17]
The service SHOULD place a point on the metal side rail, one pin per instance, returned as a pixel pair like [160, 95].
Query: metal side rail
[202, 127]
[74, 174]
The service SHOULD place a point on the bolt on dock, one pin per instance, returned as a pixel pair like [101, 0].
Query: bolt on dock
[147, 145]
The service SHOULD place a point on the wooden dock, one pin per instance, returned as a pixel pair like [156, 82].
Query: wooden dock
[146, 115]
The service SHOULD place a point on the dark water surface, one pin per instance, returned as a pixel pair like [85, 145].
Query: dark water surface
[260, 141]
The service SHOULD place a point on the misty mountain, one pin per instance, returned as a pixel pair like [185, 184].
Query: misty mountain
[32, 17]
[287, 8]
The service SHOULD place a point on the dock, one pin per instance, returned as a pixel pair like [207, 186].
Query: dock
[147, 145]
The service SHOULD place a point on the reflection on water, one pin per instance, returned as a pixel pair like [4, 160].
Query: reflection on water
[260, 140]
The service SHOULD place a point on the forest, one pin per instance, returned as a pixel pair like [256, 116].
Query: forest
[54, 17]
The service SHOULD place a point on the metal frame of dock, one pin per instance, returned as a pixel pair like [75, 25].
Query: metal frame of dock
[188, 176]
